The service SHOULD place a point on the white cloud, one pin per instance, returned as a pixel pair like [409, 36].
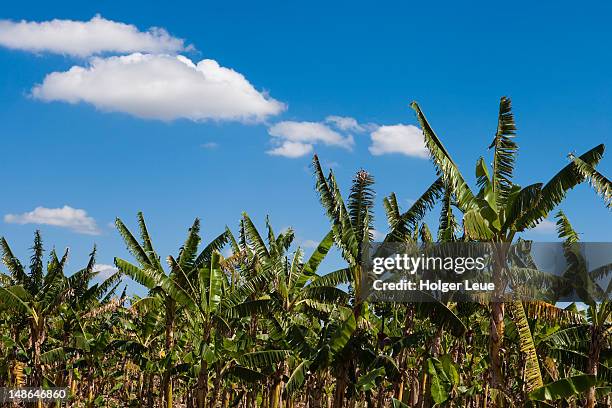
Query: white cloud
[160, 87]
[85, 38]
[345, 123]
[104, 271]
[403, 139]
[74, 219]
[291, 150]
[545, 226]
[310, 132]
[295, 139]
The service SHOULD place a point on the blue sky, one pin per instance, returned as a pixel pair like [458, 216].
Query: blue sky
[292, 63]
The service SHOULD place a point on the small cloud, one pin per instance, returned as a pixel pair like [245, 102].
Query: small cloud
[104, 271]
[73, 219]
[209, 145]
[545, 226]
[296, 139]
[345, 123]
[291, 150]
[403, 139]
[162, 87]
[85, 38]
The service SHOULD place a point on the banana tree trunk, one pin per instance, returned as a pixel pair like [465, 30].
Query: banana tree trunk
[276, 395]
[150, 385]
[594, 352]
[216, 387]
[202, 385]
[496, 335]
[37, 338]
[90, 386]
[340, 389]
[496, 329]
[167, 380]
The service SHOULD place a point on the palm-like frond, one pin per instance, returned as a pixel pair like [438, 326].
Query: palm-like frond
[178, 291]
[215, 245]
[5, 280]
[297, 378]
[573, 337]
[13, 264]
[263, 358]
[333, 278]
[108, 286]
[425, 234]
[16, 298]
[483, 178]
[36, 263]
[533, 376]
[505, 152]
[555, 190]
[215, 283]
[331, 199]
[524, 201]
[244, 374]
[145, 276]
[132, 244]
[342, 334]
[361, 202]
[147, 304]
[550, 313]
[392, 210]
[146, 238]
[445, 164]
[55, 270]
[188, 251]
[347, 237]
[448, 222]
[250, 308]
[254, 238]
[310, 267]
[402, 224]
[564, 388]
[53, 356]
[565, 230]
[328, 294]
[598, 181]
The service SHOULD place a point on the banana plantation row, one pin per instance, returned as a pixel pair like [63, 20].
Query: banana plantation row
[265, 326]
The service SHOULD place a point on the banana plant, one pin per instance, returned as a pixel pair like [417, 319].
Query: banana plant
[352, 232]
[585, 283]
[39, 298]
[296, 292]
[163, 286]
[501, 209]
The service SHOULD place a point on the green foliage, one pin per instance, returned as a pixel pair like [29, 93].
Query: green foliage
[564, 388]
[268, 324]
